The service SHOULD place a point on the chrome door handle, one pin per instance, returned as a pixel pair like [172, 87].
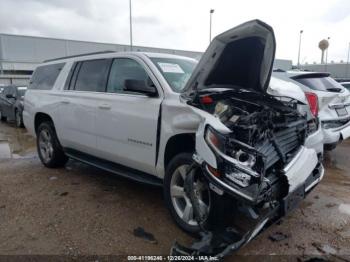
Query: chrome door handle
[65, 102]
[104, 106]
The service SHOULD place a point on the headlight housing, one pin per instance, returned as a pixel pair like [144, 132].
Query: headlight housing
[239, 161]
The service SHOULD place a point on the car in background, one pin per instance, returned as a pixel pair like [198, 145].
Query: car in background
[345, 84]
[11, 104]
[328, 99]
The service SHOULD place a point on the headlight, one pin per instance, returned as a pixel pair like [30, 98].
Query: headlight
[244, 158]
[215, 139]
[239, 160]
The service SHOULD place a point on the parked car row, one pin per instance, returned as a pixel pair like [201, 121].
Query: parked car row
[11, 103]
[221, 136]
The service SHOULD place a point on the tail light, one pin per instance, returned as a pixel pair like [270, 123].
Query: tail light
[313, 103]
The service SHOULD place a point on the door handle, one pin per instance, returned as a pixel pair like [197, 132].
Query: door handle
[65, 102]
[104, 107]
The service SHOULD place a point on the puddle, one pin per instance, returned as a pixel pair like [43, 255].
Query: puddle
[344, 208]
[5, 151]
[15, 142]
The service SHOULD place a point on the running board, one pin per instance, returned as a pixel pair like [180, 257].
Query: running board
[114, 168]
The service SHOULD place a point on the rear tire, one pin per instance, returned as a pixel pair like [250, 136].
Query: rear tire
[176, 199]
[49, 149]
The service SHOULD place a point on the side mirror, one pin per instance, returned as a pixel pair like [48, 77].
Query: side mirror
[140, 86]
[10, 96]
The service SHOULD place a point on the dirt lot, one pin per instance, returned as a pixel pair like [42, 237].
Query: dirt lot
[80, 210]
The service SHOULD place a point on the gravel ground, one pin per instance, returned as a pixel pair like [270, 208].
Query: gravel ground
[80, 210]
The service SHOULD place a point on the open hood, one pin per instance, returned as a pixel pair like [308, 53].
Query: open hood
[240, 58]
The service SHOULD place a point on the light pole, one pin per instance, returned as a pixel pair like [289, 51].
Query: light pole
[210, 24]
[347, 62]
[327, 53]
[300, 33]
[130, 26]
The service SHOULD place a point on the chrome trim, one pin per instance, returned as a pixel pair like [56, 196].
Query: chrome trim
[232, 160]
[229, 187]
[334, 106]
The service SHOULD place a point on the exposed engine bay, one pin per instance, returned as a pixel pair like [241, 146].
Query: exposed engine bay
[273, 128]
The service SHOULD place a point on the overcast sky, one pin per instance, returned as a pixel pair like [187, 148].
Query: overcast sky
[183, 24]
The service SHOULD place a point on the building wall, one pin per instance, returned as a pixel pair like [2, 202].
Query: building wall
[337, 70]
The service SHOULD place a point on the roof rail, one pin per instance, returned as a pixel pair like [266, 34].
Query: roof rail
[86, 54]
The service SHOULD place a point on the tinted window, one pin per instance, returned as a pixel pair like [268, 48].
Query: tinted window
[321, 84]
[175, 71]
[92, 75]
[21, 91]
[45, 77]
[123, 69]
[347, 86]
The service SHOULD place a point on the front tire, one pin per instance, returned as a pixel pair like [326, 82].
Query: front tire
[176, 199]
[49, 149]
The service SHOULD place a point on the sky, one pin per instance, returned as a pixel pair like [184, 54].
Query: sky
[184, 24]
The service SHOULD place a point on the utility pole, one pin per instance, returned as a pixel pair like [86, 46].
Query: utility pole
[347, 62]
[300, 33]
[130, 26]
[327, 53]
[210, 25]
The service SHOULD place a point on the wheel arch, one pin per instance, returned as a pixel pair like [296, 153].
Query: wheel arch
[176, 144]
[40, 118]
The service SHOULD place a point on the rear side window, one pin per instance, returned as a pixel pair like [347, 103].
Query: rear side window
[92, 75]
[327, 84]
[45, 77]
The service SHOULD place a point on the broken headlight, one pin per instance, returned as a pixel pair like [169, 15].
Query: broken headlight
[239, 160]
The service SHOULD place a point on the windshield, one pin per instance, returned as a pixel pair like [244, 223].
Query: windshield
[176, 71]
[327, 84]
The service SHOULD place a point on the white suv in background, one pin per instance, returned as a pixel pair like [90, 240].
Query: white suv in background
[146, 116]
[330, 100]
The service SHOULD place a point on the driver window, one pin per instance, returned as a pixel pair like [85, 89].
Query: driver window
[123, 69]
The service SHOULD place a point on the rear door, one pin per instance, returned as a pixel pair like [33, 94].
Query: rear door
[126, 123]
[86, 80]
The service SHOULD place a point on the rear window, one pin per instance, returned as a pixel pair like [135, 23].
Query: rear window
[44, 77]
[92, 75]
[327, 84]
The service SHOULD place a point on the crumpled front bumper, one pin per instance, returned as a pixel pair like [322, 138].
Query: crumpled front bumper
[303, 173]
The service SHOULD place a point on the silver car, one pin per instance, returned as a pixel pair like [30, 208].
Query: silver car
[328, 99]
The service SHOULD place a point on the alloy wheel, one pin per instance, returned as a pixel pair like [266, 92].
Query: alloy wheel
[181, 202]
[45, 145]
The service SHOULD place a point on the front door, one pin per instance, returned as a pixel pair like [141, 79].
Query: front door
[126, 123]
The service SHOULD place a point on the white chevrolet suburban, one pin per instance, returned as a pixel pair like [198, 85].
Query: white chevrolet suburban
[208, 132]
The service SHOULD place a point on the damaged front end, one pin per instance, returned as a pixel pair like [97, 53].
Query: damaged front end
[249, 145]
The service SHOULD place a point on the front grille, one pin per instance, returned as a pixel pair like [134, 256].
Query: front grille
[283, 144]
